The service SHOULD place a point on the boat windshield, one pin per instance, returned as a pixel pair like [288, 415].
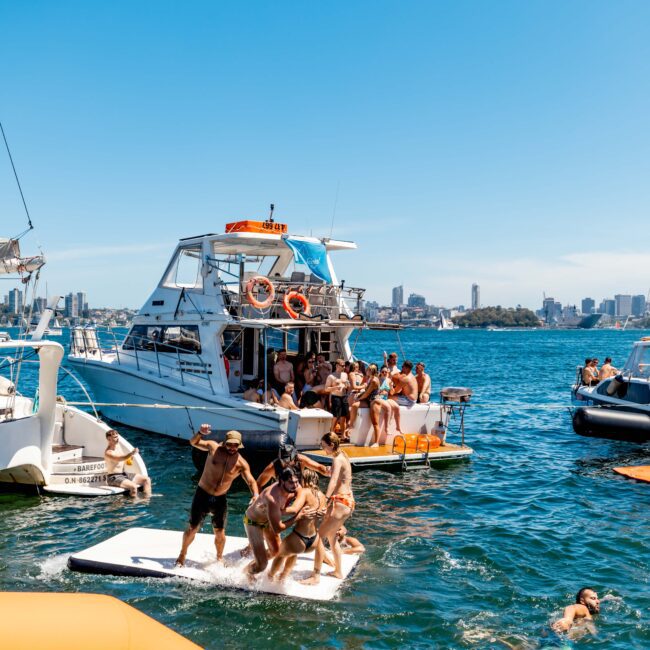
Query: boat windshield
[164, 338]
[638, 364]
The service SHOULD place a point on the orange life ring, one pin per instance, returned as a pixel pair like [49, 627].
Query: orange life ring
[270, 290]
[301, 298]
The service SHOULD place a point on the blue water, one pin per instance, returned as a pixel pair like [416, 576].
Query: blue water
[479, 554]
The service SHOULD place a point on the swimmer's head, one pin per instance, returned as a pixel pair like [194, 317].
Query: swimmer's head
[341, 533]
[289, 480]
[331, 440]
[287, 452]
[589, 598]
[310, 478]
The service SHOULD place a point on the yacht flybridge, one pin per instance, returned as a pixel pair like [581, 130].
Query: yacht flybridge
[226, 303]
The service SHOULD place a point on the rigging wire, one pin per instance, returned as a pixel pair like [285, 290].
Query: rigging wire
[20, 189]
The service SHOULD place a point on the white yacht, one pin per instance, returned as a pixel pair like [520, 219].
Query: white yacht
[224, 305]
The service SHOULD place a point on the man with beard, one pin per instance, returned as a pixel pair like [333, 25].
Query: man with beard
[222, 466]
[581, 613]
[263, 518]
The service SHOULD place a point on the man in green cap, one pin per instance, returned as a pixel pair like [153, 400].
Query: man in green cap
[222, 466]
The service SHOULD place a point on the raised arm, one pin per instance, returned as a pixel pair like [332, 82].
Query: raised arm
[120, 457]
[267, 474]
[204, 445]
[307, 462]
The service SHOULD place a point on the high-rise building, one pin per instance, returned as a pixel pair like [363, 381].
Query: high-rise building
[551, 310]
[608, 307]
[476, 296]
[82, 303]
[15, 301]
[71, 306]
[417, 301]
[588, 305]
[623, 305]
[638, 305]
[398, 297]
[40, 305]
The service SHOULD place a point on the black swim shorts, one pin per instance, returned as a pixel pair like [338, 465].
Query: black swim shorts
[115, 480]
[339, 406]
[204, 503]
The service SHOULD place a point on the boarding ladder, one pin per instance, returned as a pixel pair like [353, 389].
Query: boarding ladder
[421, 444]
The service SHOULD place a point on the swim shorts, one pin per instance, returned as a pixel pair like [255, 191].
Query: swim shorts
[340, 408]
[402, 400]
[115, 480]
[204, 503]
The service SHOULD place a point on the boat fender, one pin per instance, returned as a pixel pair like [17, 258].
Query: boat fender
[226, 364]
[615, 384]
[299, 297]
[267, 285]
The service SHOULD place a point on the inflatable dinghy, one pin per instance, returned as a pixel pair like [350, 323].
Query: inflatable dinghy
[149, 552]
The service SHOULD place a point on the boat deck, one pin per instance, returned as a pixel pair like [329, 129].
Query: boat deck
[363, 457]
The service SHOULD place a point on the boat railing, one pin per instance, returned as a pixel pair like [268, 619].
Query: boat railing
[166, 359]
[326, 300]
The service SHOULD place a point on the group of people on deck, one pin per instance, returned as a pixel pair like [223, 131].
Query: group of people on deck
[591, 375]
[291, 502]
[344, 388]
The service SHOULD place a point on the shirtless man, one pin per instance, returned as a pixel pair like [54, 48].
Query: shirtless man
[581, 613]
[340, 504]
[283, 369]
[288, 456]
[222, 466]
[424, 383]
[304, 536]
[390, 362]
[323, 369]
[115, 467]
[286, 399]
[263, 518]
[607, 370]
[251, 394]
[338, 385]
[405, 392]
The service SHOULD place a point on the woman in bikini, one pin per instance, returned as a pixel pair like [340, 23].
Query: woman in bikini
[340, 504]
[367, 398]
[304, 536]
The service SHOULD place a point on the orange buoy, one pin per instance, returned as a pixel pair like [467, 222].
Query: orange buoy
[268, 286]
[301, 298]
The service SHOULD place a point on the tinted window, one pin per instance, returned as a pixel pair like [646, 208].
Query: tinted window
[164, 338]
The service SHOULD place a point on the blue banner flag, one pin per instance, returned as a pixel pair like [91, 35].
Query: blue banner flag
[313, 255]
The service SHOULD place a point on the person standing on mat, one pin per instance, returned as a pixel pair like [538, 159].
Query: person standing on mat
[117, 477]
[222, 466]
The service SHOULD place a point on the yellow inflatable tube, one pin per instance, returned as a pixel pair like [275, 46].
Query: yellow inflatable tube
[61, 621]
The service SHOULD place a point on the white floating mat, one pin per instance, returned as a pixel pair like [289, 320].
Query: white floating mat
[152, 553]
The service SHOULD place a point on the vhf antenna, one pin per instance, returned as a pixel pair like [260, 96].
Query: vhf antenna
[271, 213]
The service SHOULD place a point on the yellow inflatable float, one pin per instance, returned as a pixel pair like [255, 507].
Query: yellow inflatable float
[62, 621]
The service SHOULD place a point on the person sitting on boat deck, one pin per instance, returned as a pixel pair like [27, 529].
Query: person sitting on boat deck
[581, 613]
[251, 394]
[405, 391]
[263, 518]
[282, 370]
[390, 361]
[589, 373]
[387, 406]
[607, 370]
[366, 398]
[117, 477]
[271, 396]
[338, 385]
[323, 369]
[340, 505]
[286, 399]
[222, 466]
[304, 536]
[424, 383]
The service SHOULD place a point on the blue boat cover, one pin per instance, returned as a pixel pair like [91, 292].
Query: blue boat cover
[312, 254]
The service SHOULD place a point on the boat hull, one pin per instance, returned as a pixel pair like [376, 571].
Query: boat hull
[611, 422]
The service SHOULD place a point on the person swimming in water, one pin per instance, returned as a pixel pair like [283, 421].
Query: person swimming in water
[581, 613]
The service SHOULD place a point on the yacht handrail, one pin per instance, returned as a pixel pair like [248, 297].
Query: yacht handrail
[121, 355]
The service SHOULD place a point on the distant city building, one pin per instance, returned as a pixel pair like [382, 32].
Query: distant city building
[82, 303]
[476, 296]
[551, 310]
[71, 306]
[638, 305]
[398, 297]
[370, 310]
[608, 307]
[623, 305]
[40, 305]
[417, 301]
[588, 305]
[15, 301]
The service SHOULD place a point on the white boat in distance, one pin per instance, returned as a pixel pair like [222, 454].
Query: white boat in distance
[224, 304]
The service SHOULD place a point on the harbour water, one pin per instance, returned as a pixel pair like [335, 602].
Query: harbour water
[481, 554]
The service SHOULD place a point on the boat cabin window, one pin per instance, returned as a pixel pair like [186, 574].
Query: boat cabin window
[185, 270]
[283, 340]
[164, 338]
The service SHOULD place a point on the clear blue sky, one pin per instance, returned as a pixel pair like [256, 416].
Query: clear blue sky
[504, 143]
